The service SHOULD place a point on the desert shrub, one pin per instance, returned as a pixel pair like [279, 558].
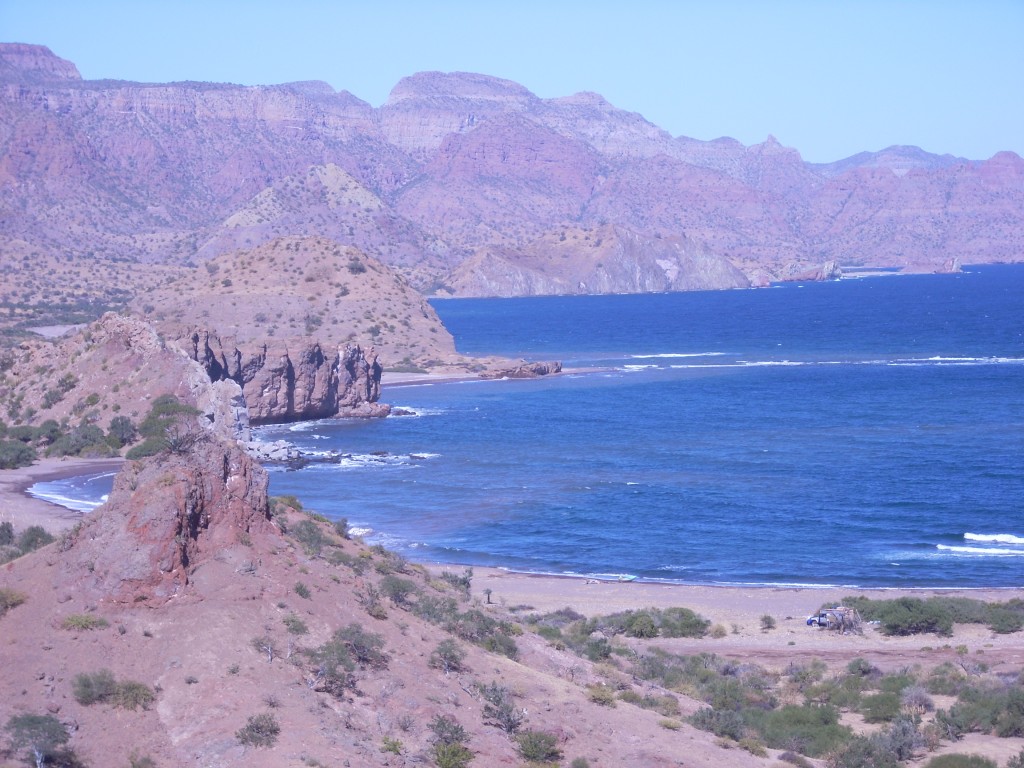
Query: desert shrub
[121, 432]
[462, 583]
[862, 752]
[132, 695]
[10, 598]
[446, 730]
[295, 625]
[580, 762]
[651, 622]
[811, 730]
[664, 705]
[1016, 761]
[960, 761]
[357, 564]
[332, 667]
[150, 446]
[915, 699]
[724, 723]
[6, 534]
[767, 623]
[309, 535]
[32, 538]
[341, 527]
[601, 694]
[499, 707]
[909, 615]
[302, 590]
[101, 687]
[88, 689]
[946, 680]
[141, 761]
[83, 440]
[794, 759]
[718, 631]
[448, 656]
[14, 454]
[365, 647]
[538, 746]
[1003, 621]
[397, 589]
[259, 731]
[451, 755]
[985, 709]
[880, 707]
[501, 644]
[83, 621]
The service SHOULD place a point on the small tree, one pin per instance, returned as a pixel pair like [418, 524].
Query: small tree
[37, 735]
[448, 656]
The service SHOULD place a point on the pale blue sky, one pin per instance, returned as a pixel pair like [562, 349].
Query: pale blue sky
[829, 78]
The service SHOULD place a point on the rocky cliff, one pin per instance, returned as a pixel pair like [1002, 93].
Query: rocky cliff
[282, 383]
[165, 517]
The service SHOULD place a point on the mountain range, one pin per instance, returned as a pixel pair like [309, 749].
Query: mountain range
[465, 185]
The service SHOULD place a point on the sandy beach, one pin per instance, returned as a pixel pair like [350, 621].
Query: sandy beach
[737, 609]
[22, 510]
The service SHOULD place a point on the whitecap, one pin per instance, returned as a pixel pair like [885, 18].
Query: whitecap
[982, 551]
[680, 354]
[1001, 538]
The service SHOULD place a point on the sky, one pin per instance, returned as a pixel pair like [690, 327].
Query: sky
[829, 78]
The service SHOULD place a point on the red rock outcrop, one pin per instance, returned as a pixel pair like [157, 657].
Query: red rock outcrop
[165, 517]
[283, 382]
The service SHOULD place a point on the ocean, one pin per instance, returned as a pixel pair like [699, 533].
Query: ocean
[867, 432]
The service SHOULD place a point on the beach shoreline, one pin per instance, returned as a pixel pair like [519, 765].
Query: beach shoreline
[21, 509]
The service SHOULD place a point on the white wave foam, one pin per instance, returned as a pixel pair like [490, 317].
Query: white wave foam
[68, 502]
[680, 354]
[981, 551]
[1000, 538]
[360, 531]
[405, 411]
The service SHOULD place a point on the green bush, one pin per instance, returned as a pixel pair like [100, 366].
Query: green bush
[83, 621]
[880, 707]
[448, 657]
[397, 589]
[32, 538]
[150, 446]
[302, 590]
[10, 598]
[132, 695]
[14, 454]
[724, 723]
[499, 708]
[102, 687]
[88, 689]
[446, 730]
[365, 647]
[960, 761]
[809, 729]
[309, 535]
[259, 731]
[452, 755]
[295, 625]
[538, 746]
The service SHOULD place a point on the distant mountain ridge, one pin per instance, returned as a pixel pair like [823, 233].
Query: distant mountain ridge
[459, 180]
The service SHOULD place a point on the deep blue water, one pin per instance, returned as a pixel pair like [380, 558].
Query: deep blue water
[867, 432]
